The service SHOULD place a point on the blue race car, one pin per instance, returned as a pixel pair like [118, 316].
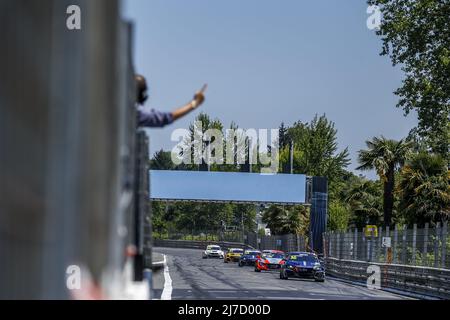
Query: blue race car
[249, 257]
[302, 265]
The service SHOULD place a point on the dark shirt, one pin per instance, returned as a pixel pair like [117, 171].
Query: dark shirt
[153, 118]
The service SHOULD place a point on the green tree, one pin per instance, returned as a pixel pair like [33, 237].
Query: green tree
[316, 149]
[338, 216]
[284, 159]
[206, 124]
[424, 189]
[161, 161]
[284, 136]
[385, 156]
[364, 199]
[159, 223]
[282, 220]
[416, 36]
[275, 218]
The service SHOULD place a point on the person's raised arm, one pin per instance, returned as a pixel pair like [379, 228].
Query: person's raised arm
[198, 100]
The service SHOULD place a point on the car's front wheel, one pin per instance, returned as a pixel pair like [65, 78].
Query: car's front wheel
[319, 280]
[319, 277]
[283, 275]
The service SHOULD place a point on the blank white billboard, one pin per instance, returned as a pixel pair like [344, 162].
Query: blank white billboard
[227, 187]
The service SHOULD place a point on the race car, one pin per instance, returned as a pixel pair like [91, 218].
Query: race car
[302, 265]
[271, 259]
[213, 251]
[249, 257]
[233, 255]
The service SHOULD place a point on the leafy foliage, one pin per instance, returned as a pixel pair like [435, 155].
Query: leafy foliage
[161, 161]
[316, 149]
[416, 35]
[385, 156]
[338, 216]
[424, 189]
[365, 201]
[285, 220]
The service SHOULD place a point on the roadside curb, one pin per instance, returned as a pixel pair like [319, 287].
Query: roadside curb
[159, 264]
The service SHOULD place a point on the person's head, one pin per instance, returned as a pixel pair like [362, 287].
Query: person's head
[141, 86]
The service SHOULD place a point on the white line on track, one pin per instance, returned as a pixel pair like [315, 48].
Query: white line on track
[167, 292]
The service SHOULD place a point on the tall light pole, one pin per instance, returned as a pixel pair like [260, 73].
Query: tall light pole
[291, 156]
[242, 224]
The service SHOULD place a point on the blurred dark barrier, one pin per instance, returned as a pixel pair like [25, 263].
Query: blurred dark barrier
[319, 213]
[142, 218]
[67, 135]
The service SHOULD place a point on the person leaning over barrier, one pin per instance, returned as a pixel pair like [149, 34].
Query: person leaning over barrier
[154, 118]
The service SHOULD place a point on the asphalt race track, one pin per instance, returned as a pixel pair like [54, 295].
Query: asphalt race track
[188, 276]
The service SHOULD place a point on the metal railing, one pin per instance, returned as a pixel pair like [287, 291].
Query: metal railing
[286, 242]
[199, 235]
[426, 247]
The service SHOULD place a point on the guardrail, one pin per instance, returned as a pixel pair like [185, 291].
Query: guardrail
[198, 244]
[426, 281]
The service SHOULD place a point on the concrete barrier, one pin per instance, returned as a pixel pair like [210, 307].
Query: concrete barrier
[432, 282]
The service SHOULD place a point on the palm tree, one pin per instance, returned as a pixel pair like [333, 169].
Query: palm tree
[385, 156]
[364, 200]
[424, 189]
[281, 220]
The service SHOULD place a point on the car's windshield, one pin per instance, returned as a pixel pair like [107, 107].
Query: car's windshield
[236, 251]
[304, 257]
[275, 255]
[213, 248]
[252, 253]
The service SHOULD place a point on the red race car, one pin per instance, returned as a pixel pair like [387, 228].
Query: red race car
[270, 260]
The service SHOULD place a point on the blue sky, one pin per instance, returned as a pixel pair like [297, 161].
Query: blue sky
[268, 62]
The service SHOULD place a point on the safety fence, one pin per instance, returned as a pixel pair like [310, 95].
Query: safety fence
[286, 242]
[199, 235]
[410, 260]
[427, 247]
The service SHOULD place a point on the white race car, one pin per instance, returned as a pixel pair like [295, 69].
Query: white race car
[212, 251]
